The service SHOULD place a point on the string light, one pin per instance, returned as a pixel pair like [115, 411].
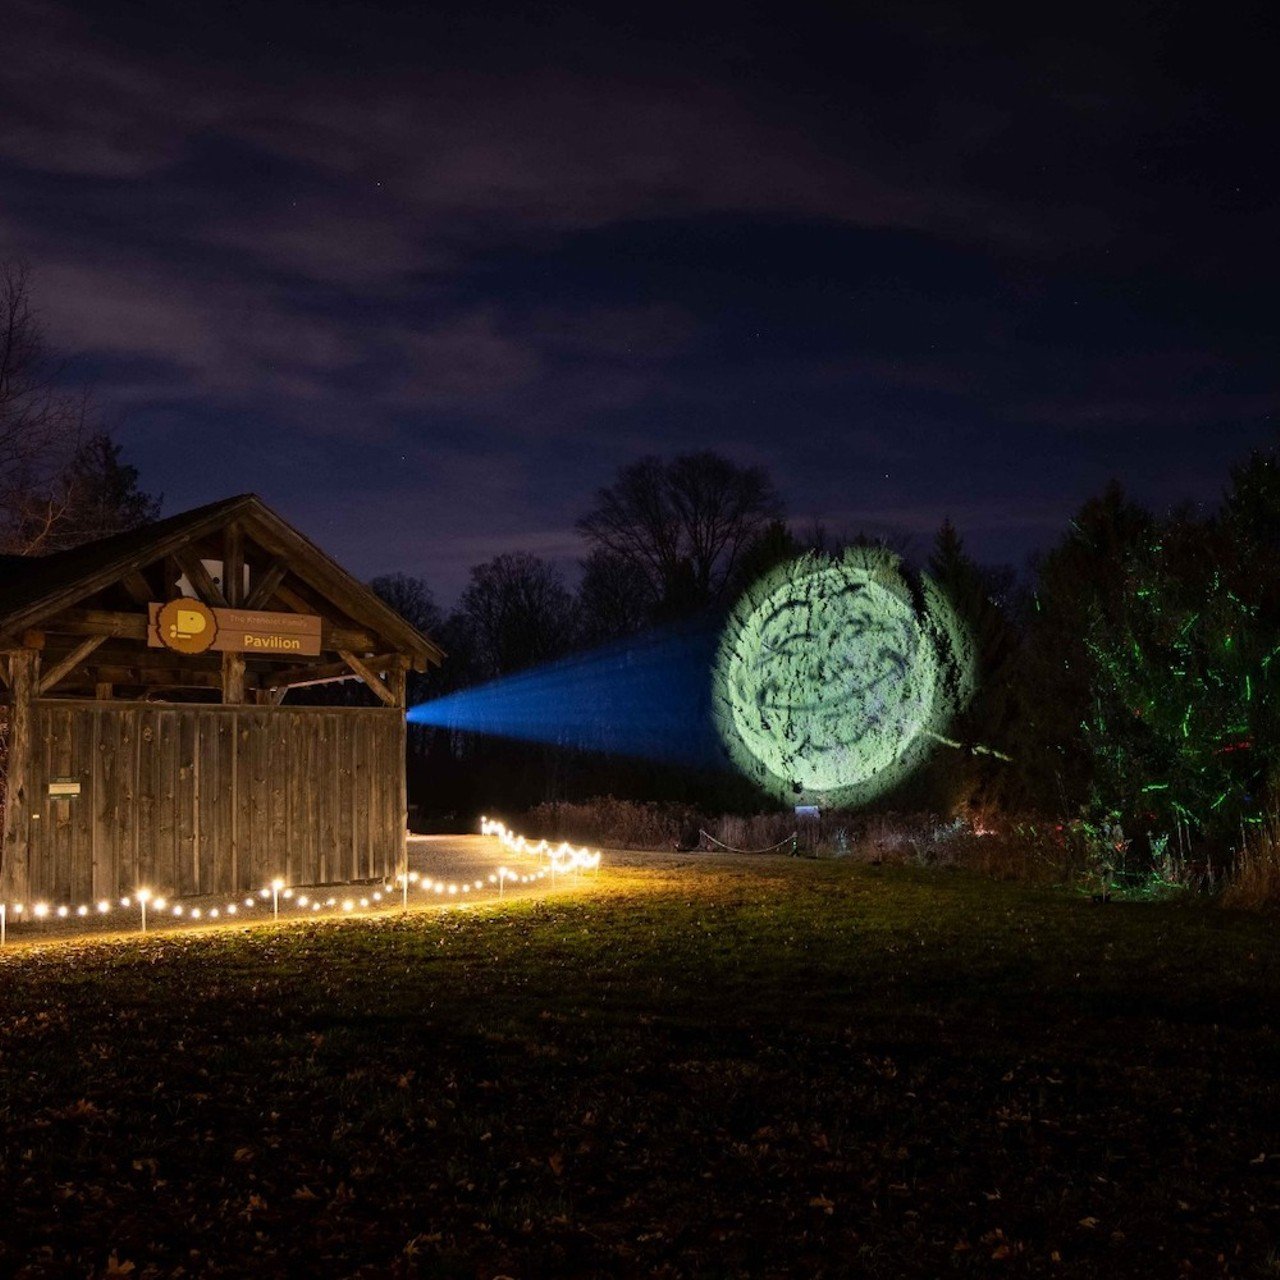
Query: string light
[562, 857]
[559, 859]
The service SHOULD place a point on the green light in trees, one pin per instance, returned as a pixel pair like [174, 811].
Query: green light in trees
[834, 677]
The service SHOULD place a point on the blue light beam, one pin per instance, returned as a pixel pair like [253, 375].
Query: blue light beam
[648, 697]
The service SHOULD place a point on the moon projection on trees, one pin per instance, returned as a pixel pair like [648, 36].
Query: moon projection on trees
[835, 676]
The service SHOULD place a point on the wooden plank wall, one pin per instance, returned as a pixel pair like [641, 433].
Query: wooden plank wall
[207, 799]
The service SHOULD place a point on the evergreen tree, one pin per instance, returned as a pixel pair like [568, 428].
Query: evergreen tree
[1185, 723]
[976, 778]
[775, 544]
[98, 495]
[1080, 584]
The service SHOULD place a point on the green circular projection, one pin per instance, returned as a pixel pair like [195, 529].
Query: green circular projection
[835, 676]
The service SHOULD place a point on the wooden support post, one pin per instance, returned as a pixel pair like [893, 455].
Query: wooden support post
[24, 681]
[233, 565]
[233, 677]
[401, 852]
[397, 677]
[103, 690]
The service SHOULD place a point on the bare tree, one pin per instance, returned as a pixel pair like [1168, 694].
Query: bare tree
[61, 482]
[683, 524]
[516, 612]
[411, 598]
[613, 598]
[40, 424]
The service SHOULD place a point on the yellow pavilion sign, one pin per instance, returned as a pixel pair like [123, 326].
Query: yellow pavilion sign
[191, 626]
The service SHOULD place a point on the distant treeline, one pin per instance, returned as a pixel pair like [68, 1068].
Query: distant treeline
[1130, 674]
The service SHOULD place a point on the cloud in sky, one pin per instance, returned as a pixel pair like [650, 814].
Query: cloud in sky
[908, 262]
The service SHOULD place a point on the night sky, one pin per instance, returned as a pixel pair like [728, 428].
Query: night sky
[424, 277]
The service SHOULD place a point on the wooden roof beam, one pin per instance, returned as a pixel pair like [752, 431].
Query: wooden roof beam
[162, 677]
[100, 622]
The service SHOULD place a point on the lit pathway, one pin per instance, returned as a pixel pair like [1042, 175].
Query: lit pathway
[463, 857]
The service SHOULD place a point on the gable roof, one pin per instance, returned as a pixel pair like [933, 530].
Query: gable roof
[33, 588]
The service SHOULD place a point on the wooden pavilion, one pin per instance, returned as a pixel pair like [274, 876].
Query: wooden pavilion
[147, 744]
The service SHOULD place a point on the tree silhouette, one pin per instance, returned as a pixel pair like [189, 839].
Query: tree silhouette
[682, 526]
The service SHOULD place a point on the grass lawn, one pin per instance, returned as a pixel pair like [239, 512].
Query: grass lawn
[768, 1068]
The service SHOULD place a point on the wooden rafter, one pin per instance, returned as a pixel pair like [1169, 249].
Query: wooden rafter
[92, 606]
[330, 582]
[267, 585]
[297, 602]
[155, 551]
[201, 582]
[136, 584]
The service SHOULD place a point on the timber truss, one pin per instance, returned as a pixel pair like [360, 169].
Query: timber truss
[75, 624]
